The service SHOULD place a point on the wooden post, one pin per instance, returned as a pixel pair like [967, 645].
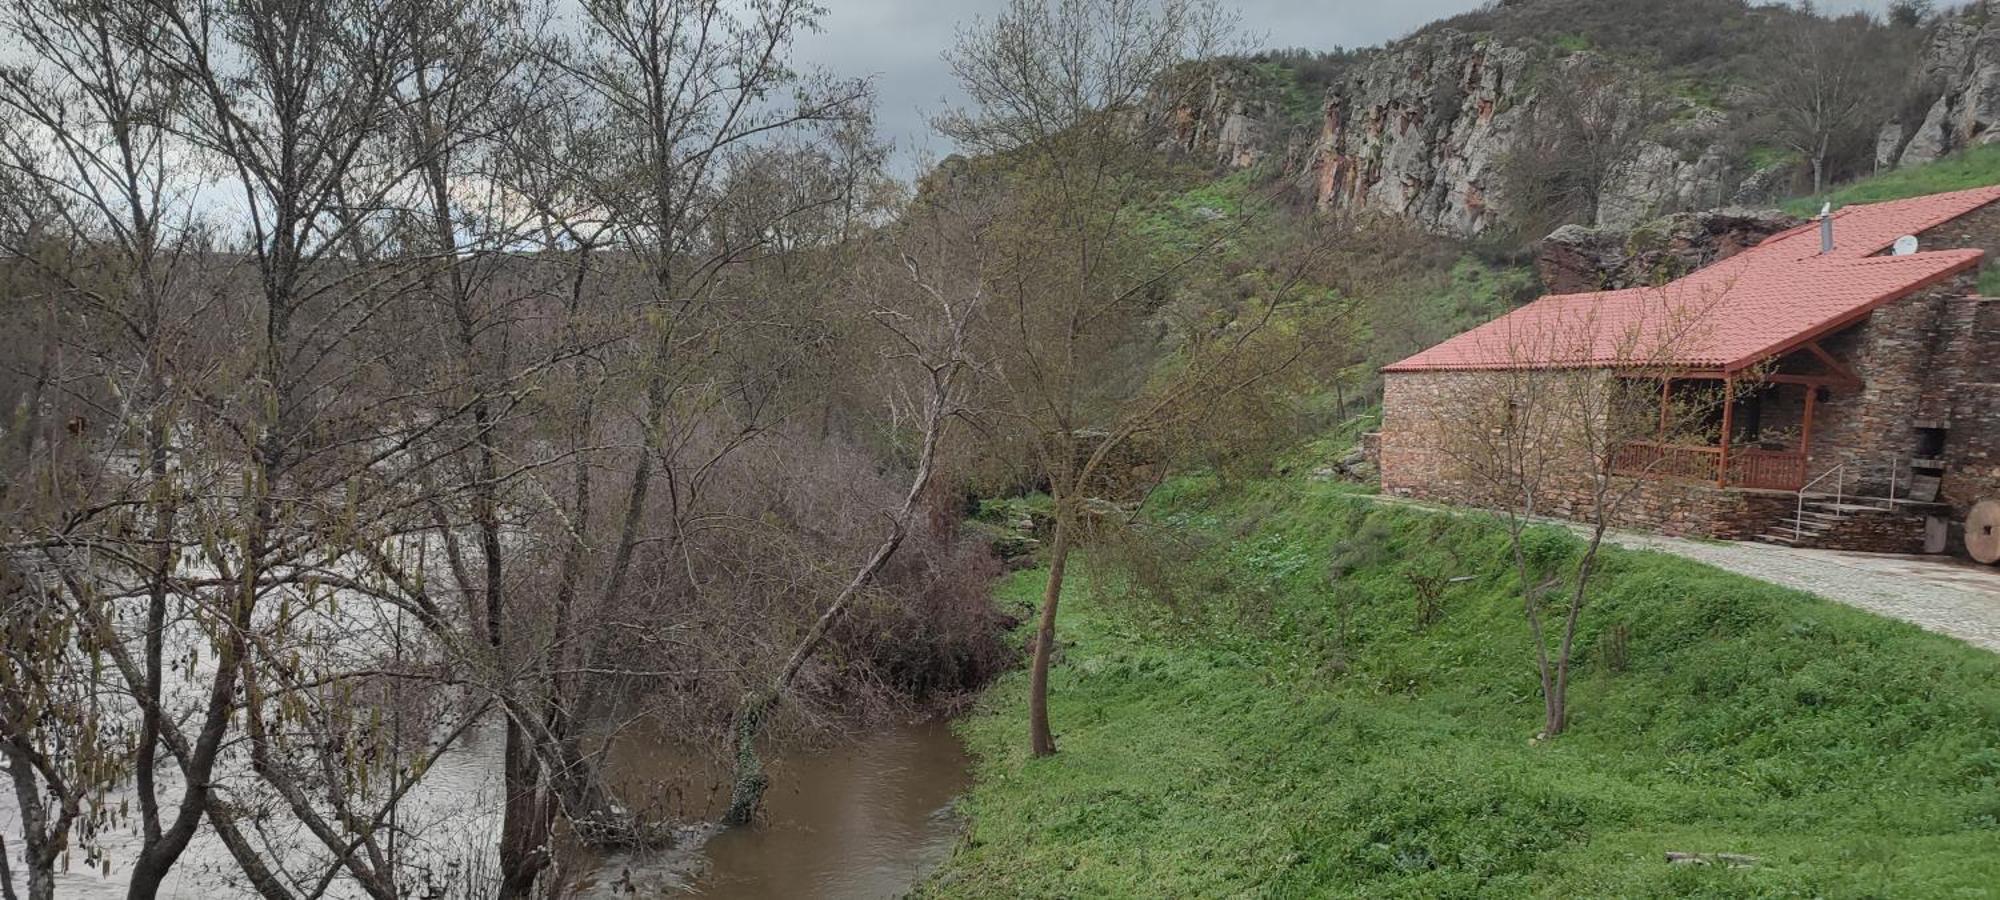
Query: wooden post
[1805, 430]
[1666, 402]
[1728, 425]
[1805, 436]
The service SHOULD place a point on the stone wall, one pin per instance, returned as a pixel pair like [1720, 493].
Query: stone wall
[1895, 351]
[1963, 391]
[1420, 410]
[1412, 460]
[1929, 360]
[1972, 407]
[1979, 229]
[1877, 532]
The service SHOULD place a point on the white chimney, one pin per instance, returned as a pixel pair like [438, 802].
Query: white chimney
[1825, 228]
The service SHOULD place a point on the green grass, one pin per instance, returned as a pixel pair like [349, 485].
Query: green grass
[1186, 221]
[1213, 744]
[1976, 167]
[1572, 43]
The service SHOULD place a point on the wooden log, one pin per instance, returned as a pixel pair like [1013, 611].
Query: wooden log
[1732, 860]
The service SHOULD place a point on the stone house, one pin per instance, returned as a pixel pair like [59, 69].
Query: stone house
[1858, 377]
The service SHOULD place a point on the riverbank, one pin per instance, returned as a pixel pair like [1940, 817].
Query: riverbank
[1220, 738]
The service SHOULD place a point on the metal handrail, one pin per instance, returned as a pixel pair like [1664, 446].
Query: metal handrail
[1839, 497]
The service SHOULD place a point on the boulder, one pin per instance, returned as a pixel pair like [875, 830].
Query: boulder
[1577, 258]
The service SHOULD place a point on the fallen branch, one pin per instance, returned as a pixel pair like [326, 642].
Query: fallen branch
[1732, 860]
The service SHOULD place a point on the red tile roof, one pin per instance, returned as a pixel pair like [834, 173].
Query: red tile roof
[1736, 313]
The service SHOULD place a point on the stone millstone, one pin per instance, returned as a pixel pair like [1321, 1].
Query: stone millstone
[1982, 531]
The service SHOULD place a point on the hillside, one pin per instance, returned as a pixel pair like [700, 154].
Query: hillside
[1239, 723]
[1530, 114]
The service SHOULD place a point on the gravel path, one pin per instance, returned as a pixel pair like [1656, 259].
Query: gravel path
[1941, 594]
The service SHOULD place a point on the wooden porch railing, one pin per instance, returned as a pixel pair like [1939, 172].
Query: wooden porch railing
[1777, 470]
[1652, 460]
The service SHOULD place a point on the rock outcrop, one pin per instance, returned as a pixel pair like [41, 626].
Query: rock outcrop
[1419, 131]
[1660, 178]
[1222, 122]
[1577, 258]
[1961, 62]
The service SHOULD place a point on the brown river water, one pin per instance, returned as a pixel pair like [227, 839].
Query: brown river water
[868, 818]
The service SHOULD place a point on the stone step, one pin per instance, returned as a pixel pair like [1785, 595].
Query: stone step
[1846, 508]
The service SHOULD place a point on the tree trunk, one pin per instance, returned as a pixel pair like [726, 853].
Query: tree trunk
[524, 826]
[1045, 639]
[6, 873]
[40, 842]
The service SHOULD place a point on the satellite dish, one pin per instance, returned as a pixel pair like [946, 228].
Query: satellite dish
[1906, 245]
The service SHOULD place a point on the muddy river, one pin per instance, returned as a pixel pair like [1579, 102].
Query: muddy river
[866, 819]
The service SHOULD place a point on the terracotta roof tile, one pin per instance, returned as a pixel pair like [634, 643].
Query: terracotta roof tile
[1732, 314]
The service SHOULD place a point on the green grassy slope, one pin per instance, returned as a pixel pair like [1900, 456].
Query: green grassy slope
[1976, 167]
[1218, 745]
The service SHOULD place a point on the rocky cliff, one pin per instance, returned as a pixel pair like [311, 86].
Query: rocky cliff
[1961, 67]
[1420, 129]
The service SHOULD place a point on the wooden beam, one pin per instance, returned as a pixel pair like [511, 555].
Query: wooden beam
[1814, 380]
[1839, 369]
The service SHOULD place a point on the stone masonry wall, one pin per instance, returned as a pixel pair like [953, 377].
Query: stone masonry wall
[1412, 461]
[1418, 407]
[1979, 229]
[1972, 407]
[1896, 351]
[1963, 392]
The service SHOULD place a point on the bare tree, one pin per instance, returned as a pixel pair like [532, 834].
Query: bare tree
[1829, 85]
[1574, 424]
[103, 229]
[928, 317]
[386, 368]
[1583, 127]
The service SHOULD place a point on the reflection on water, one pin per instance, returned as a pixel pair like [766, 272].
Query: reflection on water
[867, 819]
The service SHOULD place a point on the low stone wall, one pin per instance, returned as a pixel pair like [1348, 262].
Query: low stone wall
[1689, 509]
[1899, 532]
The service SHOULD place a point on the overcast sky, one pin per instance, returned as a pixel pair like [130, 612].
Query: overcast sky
[898, 42]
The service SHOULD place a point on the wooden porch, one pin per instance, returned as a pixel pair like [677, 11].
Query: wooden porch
[1736, 457]
[1773, 470]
